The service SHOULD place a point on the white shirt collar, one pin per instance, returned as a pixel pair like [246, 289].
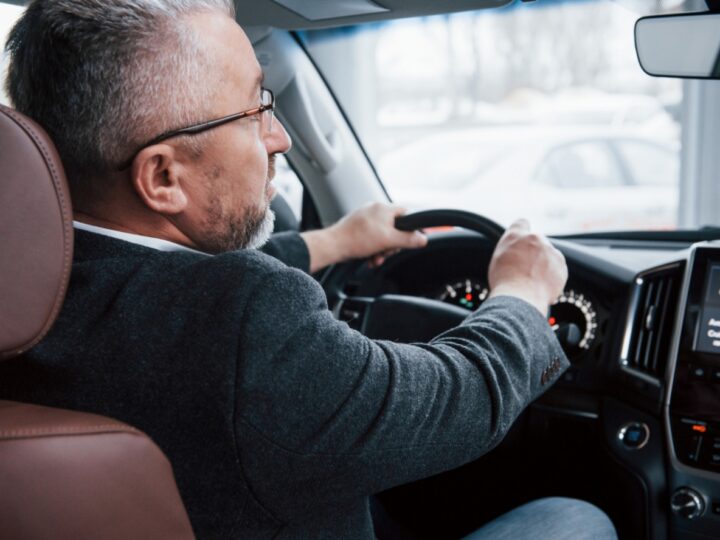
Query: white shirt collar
[147, 241]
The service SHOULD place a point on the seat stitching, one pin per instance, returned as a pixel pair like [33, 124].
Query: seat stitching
[67, 430]
[49, 162]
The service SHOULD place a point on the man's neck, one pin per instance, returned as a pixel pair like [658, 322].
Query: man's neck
[82, 217]
[134, 238]
[160, 228]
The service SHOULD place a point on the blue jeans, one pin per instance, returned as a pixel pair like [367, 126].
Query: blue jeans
[553, 518]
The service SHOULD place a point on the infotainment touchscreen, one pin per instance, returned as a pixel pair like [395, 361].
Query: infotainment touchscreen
[708, 334]
[695, 398]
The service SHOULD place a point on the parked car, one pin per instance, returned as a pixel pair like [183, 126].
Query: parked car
[562, 180]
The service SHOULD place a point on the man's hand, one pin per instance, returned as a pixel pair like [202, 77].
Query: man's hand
[526, 265]
[366, 233]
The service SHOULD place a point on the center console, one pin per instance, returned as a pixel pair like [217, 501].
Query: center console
[693, 413]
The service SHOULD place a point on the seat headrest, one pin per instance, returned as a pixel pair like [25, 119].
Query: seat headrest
[36, 234]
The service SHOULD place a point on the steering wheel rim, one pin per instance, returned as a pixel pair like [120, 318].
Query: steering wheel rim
[449, 217]
[334, 279]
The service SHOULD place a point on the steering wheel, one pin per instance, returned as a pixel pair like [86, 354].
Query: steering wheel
[401, 317]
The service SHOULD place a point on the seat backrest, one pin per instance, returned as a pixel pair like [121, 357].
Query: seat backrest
[63, 474]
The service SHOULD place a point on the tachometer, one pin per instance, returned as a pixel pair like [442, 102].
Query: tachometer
[572, 315]
[573, 308]
[468, 294]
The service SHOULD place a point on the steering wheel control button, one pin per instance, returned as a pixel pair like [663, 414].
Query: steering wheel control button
[634, 435]
[716, 508]
[687, 503]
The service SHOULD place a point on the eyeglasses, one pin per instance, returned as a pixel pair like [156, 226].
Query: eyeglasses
[265, 110]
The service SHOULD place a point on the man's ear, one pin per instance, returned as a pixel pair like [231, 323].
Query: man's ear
[156, 179]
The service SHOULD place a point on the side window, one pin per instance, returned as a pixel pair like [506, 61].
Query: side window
[288, 187]
[580, 165]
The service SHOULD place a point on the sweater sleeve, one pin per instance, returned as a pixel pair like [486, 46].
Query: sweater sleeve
[324, 410]
[289, 248]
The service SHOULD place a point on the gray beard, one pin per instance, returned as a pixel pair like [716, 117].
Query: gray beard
[224, 233]
[263, 231]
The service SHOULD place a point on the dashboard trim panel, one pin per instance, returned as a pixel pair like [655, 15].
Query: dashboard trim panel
[672, 366]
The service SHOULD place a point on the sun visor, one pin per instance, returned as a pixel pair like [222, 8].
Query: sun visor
[306, 14]
[319, 10]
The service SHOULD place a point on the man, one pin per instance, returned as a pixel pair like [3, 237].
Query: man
[279, 420]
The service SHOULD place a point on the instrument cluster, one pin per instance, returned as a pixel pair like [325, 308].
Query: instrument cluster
[573, 316]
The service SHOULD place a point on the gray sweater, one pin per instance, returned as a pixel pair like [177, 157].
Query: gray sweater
[279, 420]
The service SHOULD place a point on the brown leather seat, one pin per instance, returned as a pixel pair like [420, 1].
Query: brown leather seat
[63, 474]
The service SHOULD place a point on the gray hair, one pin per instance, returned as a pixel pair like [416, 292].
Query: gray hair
[104, 76]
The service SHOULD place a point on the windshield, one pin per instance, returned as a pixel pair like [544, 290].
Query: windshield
[536, 110]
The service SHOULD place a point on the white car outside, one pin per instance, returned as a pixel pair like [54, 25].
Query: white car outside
[563, 180]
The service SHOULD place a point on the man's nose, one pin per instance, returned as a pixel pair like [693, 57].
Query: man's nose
[278, 140]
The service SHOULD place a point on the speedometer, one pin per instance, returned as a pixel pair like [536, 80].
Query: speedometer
[574, 309]
[572, 316]
[468, 294]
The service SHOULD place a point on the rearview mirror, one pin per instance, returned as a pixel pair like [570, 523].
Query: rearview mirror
[685, 45]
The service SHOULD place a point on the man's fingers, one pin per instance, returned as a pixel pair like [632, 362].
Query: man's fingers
[397, 211]
[379, 258]
[527, 265]
[521, 225]
[376, 261]
[411, 240]
[415, 239]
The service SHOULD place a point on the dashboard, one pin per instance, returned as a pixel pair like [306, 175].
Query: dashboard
[453, 270]
[641, 326]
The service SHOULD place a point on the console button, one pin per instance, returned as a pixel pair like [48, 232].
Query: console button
[716, 508]
[693, 447]
[698, 372]
[687, 503]
[715, 375]
[634, 435]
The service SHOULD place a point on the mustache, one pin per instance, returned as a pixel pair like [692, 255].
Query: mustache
[271, 166]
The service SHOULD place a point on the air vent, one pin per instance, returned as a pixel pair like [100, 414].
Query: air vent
[650, 321]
